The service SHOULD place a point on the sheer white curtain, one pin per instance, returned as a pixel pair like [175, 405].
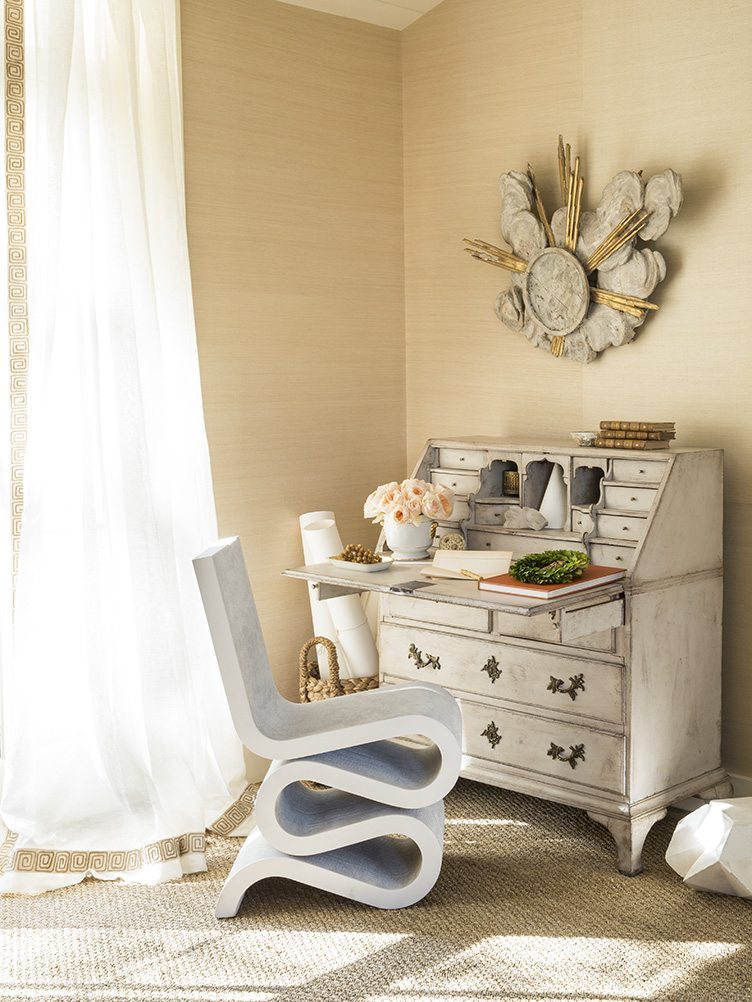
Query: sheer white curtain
[6, 521]
[120, 750]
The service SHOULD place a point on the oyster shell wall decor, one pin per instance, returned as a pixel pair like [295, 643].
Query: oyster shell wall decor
[579, 283]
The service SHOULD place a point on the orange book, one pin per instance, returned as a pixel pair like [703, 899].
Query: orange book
[591, 577]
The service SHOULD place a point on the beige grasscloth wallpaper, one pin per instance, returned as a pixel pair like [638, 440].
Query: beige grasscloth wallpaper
[293, 138]
[296, 180]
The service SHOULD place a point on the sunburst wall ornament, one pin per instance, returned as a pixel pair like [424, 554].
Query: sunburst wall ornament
[579, 284]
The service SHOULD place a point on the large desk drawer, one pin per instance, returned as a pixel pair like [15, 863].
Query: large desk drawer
[561, 750]
[565, 685]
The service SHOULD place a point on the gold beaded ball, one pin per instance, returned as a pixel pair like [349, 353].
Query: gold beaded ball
[356, 553]
[452, 541]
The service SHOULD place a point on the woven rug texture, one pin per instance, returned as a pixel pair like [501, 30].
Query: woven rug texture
[529, 908]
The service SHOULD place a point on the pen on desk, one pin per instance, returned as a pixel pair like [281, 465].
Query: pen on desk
[471, 574]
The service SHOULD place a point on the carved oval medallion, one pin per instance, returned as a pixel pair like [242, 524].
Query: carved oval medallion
[556, 290]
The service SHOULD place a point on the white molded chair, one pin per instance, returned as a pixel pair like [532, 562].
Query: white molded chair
[339, 839]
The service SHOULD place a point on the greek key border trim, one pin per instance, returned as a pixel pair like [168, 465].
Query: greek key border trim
[97, 861]
[18, 313]
[237, 812]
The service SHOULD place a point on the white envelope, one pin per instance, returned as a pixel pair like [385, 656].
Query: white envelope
[449, 563]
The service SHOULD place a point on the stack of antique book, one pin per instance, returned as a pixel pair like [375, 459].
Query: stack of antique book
[635, 434]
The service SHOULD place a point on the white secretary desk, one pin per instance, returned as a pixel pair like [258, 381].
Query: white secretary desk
[610, 699]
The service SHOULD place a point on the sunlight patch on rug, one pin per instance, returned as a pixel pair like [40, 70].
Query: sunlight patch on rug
[50, 962]
[563, 966]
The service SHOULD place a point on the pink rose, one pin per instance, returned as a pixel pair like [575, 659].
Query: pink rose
[391, 499]
[415, 488]
[432, 506]
[415, 506]
[374, 506]
[401, 514]
[446, 500]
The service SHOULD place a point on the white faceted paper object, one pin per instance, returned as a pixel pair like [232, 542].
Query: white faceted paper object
[554, 506]
[712, 847]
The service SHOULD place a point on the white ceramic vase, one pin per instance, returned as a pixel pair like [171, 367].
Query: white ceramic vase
[408, 541]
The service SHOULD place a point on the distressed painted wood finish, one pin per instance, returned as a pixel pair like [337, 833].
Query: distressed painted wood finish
[626, 689]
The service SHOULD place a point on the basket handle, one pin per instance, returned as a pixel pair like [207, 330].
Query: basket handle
[305, 669]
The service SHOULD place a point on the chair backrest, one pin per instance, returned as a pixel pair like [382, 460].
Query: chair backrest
[258, 710]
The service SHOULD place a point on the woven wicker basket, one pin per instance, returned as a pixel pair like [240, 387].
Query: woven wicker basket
[314, 688]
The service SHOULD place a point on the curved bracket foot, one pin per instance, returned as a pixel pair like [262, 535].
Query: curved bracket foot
[629, 835]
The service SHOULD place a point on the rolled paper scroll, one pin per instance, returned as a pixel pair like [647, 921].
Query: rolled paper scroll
[343, 619]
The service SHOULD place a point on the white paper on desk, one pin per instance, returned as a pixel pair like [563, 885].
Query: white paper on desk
[449, 563]
[342, 620]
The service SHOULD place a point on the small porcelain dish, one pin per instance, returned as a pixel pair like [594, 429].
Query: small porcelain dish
[584, 438]
[366, 568]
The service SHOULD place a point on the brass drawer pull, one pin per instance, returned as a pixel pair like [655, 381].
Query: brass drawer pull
[491, 668]
[492, 734]
[421, 660]
[575, 682]
[576, 752]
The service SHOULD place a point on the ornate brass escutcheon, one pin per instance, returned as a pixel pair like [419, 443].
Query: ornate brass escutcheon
[575, 682]
[576, 752]
[492, 734]
[491, 668]
[421, 660]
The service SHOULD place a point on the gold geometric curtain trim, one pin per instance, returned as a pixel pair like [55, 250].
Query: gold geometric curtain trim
[18, 314]
[110, 861]
[6, 850]
[123, 860]
[236, 813]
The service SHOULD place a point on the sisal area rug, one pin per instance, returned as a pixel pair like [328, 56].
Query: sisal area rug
[529, 908]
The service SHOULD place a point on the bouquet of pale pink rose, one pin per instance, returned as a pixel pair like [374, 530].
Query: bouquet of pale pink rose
[409, 502]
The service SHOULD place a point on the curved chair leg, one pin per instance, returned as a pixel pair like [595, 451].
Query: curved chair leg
[381, 871]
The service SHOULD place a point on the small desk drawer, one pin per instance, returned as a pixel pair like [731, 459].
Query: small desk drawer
[556, 628]
[461, 483]
[543, 627]
[612, 556]
[629, 498]
[561, 750]
[638, 471]
[505, 672]
[582, 521]
[462, 459]
[491, 513]
[620, 526]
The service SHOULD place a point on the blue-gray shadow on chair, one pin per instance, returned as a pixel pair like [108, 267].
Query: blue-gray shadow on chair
[340, 839]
